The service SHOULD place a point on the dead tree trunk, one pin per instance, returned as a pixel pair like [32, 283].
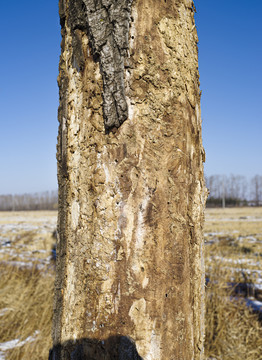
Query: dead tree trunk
[130, 275]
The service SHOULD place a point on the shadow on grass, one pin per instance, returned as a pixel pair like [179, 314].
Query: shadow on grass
[113, 348]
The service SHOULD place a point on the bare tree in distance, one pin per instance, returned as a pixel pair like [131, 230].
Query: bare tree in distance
[234, 190]
[256, 189]
[46, 200]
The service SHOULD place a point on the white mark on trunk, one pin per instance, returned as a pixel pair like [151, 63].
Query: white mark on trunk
[154, 352]
[129, 227]
[70, 300]
[141, 152]
[75, 214]
[107, 174]
[76, 159]
[117, 298]
[140, 224]
[145, 282]
[131, 107]
[94, 328]
[148, 345]
[64, 124]
[132, 29]
[198, 114]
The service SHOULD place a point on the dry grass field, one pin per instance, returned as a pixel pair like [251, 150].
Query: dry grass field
[233, 240]
[26, 284]
[233, 258]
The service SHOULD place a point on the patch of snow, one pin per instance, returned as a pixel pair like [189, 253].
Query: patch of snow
[22, 264]
[247, 271]
[215, 233]
[38, 252]
[250, 239]
[258, 286]
[5, 241]
[254, 304]
[247, 219]
[15, 227]
[3, 311]
[15, 343]
[236, 261]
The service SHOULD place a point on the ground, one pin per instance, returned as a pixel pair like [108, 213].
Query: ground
[26, 283]
[26, 237]
[233, 251]
[233, 239]
[233, 259]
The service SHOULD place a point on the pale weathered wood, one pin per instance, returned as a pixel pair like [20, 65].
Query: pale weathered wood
[130, 273]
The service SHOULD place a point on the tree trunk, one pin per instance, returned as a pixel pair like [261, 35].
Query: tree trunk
[130, 273]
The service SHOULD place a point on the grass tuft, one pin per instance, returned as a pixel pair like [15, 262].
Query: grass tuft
[26, 301]
[233, 332]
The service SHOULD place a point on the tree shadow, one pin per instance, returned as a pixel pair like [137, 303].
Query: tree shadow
[114, 348]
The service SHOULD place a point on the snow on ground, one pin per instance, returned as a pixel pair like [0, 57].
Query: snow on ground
[8, 345]
[243, 219]
[233, 239]
[3, 311]
[26, 238]
[237, 261]
[255, 304]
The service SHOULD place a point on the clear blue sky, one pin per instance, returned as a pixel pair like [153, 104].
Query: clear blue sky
[230, 64]
[230, 58]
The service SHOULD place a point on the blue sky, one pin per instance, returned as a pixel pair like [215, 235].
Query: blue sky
[30, 46]
[230, 58]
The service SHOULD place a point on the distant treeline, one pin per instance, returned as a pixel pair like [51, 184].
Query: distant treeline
[234, 190]
[46, 200]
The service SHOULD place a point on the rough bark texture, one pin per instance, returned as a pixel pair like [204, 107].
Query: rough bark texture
[130, 274]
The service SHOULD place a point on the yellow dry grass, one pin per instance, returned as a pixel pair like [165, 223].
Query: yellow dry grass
[233, 332]
[233, 254]
[237, 221]
[26, 284]
[26, 302]
[29, 235]
[26, 293]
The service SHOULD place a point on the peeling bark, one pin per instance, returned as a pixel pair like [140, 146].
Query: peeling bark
[130, 273]
[107, 24]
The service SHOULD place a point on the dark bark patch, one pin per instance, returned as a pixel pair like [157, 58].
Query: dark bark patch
[106, 22]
